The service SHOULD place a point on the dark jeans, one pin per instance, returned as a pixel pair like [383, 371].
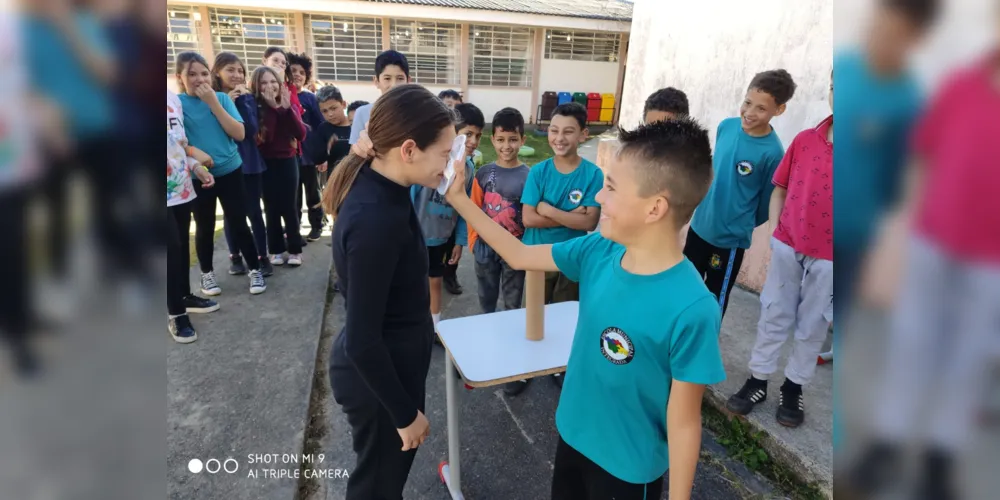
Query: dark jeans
[15, 307]
[576, 477]
[254, 185]
[719, 266]
[281, 181]
[309, 181]
[495, 276]
[229, 192]
[178, 257]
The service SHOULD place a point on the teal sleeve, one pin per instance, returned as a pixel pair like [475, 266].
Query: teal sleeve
[595, 185]
[694, 346]
[229, 106]
[461, 232]
[571, 255]
[414, 191]
[532, 193]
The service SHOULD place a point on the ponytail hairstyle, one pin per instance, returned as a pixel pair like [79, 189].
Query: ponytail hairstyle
[262, 106]
[184, 59]
[405, 112]
[221, 61]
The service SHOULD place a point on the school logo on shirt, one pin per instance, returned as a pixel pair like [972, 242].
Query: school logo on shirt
[575, 196]
[744, 168]
[616, 346]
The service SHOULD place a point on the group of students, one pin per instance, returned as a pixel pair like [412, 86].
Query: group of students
[654, 305]
[245, 138]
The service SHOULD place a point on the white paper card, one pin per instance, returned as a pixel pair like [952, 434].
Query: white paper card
[457, 153]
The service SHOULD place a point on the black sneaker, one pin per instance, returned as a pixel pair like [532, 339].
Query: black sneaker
[315, 233]
[452, 286]
[878, 467]
[558, 379]
[791, 408]
[515, 388]
[236, 265]
[751, 394]
[936, 481]
[200, 305]
[265, 267]
[181, 330]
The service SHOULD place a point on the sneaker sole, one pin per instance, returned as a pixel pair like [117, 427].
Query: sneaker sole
[294, 264]
[212, 293]
[204, 310]
[311, 239]
[184, 340]
[257, 291]
[739, 411]
[237, 273]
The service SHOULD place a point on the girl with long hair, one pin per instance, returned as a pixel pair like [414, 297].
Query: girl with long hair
[229, 76]
[213, 125]
[277, 58]
[378, 368]
[279, 133]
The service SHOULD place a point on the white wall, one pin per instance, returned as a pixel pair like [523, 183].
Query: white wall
[493, 99]
[714, 49]
[558, 75]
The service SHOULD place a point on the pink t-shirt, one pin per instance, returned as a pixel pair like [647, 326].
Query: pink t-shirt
[806, 222]
[958, 141]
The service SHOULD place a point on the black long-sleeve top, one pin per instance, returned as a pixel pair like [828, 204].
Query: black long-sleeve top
[381, 259]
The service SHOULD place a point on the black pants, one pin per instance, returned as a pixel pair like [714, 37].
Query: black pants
[382, 468]
[281, 182]
[231, 193]
[178, 257]
[719, 266]
[254, 185]
[576, 477]
[309, 182]
[451, 270]
[15, 304]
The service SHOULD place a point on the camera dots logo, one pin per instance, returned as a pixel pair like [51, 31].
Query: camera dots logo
[213, 466]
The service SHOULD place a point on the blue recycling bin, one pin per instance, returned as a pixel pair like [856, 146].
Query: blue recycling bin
[565, 97]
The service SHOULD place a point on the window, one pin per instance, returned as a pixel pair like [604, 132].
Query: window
[431, 48]
[501, 55]
[582, 45]
[182, 32]
[248, 33]
[343, 48]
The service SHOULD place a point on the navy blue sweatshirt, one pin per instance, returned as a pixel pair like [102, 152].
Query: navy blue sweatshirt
[315, 146]
[312, 117]
[381, 260]
[253, 162]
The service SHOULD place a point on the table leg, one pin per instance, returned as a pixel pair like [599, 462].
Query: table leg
[451, 471]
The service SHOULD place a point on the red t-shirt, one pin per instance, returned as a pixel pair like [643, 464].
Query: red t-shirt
[958, 141]
[806, 171]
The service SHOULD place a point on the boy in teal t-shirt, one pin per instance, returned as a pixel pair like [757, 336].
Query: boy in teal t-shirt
[747, 152]
[646, 341]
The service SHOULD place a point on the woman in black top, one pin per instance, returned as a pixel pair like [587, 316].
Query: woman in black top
[379, 364]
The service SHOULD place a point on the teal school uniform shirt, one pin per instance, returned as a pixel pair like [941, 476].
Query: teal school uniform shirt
[566, 192]
[738, 199]
[874, 118]
[206, 133]
[633, 335]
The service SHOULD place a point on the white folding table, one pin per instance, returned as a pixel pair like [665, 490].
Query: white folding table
[492, 349]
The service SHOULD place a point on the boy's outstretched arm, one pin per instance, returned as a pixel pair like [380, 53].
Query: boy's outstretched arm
[684, 431]
[517, 254]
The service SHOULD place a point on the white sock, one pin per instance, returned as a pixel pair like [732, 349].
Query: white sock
[436, 317]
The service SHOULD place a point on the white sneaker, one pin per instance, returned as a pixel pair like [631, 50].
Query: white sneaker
[278, 259]
[257, 285]
[295, 259]
[208, 284]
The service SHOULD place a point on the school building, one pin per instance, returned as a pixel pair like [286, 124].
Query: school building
[496, 53]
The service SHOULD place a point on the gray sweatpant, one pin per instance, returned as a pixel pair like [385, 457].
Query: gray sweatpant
[495, 276]
[942, 334]
[797, 298]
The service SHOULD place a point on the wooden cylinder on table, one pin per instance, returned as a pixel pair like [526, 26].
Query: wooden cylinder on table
[534, 288]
